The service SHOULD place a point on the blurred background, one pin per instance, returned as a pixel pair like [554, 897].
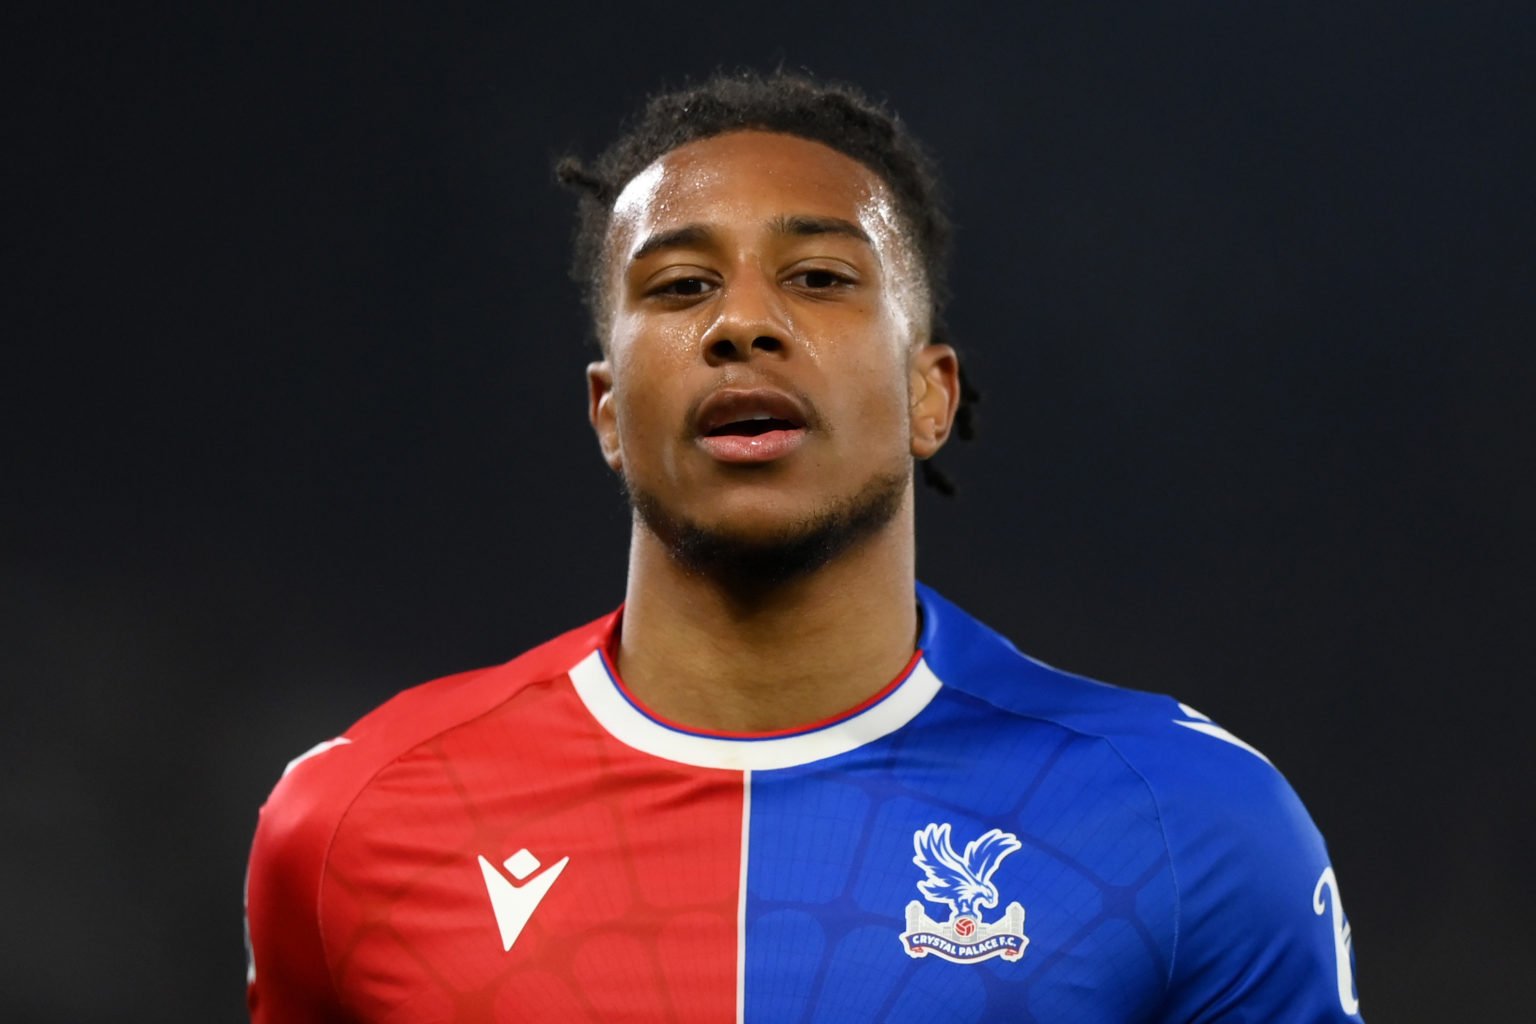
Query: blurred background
[294, 416]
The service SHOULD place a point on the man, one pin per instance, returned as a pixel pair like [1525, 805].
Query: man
[783, 782]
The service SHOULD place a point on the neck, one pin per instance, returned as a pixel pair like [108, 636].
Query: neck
[700, 653]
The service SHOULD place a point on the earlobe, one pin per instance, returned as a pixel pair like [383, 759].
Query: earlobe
[935, 390]
[601, 413]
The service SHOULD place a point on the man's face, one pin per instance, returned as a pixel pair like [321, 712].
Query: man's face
[765, 339]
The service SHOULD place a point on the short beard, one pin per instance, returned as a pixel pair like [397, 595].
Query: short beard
[751, 566]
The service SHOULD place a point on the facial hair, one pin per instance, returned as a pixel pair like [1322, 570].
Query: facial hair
[747, 565]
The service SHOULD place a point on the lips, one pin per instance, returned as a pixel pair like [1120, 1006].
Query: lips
[751, 426]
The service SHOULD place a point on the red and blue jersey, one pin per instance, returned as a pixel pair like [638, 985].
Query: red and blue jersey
[985, 839]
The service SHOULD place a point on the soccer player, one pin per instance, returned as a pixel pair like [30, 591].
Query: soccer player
[783, 781]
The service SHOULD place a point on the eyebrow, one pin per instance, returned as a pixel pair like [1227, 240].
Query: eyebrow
[806, 226]
[800, 226]
[688, 236]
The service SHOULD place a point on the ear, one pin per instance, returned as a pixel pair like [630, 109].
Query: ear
[601, 413]
[934, 384]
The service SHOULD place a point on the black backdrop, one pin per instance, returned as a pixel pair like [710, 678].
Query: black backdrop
[294, 416]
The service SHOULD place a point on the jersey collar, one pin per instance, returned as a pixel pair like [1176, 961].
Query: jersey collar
[606, 699]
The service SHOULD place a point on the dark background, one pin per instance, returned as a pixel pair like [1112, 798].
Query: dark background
[294, 417]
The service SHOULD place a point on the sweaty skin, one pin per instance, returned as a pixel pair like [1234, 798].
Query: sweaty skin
[767, 367]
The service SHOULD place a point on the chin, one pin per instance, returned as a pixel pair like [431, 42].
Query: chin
[757, 541]
[753, 515]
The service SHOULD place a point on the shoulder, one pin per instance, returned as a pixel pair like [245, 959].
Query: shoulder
[1198, 775]
[298, 822]
[327, 776]
[1167, 743]
[1256, 911]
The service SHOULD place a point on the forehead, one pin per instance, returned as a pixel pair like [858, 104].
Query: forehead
[751, 177]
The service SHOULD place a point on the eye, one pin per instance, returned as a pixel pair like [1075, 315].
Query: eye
[683, 288]
[820, 279]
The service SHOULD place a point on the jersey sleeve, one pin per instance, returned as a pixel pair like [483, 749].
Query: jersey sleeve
[288, 977]
[1262, 934]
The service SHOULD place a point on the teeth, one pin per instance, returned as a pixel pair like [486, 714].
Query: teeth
[761, 416]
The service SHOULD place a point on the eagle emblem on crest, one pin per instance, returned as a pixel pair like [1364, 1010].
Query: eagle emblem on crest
[963, 882]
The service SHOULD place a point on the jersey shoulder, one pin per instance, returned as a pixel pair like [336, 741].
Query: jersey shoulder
[1251, 871]
[972, 658]
[1187, 761]
[335, 769]
[288, 975]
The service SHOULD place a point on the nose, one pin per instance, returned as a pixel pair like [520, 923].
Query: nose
[750, 320]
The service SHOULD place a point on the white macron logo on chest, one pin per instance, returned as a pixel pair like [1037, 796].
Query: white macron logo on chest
[515, 902]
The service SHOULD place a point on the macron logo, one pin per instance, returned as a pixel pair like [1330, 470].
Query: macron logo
[515, 902]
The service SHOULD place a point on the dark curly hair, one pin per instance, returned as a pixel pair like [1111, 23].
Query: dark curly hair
[834, 114]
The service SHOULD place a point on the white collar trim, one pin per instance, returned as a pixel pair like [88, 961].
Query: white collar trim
[632, 727]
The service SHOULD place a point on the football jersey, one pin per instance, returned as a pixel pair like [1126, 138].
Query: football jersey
[985, 839]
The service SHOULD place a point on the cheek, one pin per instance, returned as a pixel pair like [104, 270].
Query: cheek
[640, 416]
[883, 394]
[643, 347]
[649, 391]
[892, 404]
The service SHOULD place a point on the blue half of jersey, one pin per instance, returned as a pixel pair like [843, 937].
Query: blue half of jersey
[1166, 870]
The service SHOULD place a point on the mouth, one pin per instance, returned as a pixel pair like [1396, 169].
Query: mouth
[753, 426]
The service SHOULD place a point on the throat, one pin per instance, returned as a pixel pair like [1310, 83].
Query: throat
[760, 696]
[808, 651]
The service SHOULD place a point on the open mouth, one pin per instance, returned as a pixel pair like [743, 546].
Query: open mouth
[752, 427]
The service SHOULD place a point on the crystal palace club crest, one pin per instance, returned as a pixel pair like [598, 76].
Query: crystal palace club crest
[964, 884]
